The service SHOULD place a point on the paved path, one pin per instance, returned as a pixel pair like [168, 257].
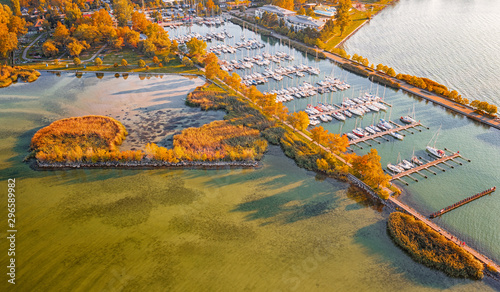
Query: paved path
[29, 46]
[446, 234]
[95, 55]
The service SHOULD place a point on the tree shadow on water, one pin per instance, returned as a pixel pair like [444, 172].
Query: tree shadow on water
[288, 206]
[376, 241]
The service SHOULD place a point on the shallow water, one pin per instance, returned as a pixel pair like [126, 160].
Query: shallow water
[275, 228]
[262, 229]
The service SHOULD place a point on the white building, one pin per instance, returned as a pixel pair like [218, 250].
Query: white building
[280, 12]
[301, 21]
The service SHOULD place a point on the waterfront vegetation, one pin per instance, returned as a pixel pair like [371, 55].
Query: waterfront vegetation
[78, 138]
[431, 248]
[9, 75]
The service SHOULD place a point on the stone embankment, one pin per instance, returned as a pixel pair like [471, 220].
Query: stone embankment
[145, 164]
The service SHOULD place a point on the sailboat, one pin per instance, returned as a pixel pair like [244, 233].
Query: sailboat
[415, 160]
[432, 149]
[409, 119]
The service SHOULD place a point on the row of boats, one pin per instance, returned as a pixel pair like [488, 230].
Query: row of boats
[306, 90]
[382, 126]
[405, 165]
[251, 44]
[182, 39]
[261, 60]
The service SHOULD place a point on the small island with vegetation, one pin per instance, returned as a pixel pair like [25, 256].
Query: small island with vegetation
[432, 249]
[9, 75]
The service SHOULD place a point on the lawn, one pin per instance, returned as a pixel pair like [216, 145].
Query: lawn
[358, 17]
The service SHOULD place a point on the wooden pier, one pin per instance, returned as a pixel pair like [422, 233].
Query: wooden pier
[380, 134]
[426, 166]
[462, 202]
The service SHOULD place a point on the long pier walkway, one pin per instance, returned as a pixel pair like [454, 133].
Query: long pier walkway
[380, 134]
[425, 166]
[462, 202]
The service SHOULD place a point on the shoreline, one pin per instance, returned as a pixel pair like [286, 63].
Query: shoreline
[143, 164]
[393, 203]
[451, 105]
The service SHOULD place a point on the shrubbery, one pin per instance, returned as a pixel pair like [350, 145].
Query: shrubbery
[430, 248]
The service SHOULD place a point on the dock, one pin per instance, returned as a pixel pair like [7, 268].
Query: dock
[462, 202]
[426, 166]
[380, 134]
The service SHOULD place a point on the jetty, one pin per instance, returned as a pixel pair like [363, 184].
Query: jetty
[426, 166]
[383, 133]
[462, 202]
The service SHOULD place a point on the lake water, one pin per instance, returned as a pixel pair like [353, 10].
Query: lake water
[275, 228]
[476, 222]
[456, 43]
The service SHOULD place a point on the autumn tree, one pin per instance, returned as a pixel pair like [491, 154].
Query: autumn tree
[139, 21]
[196, 47]
[211, 66]
[75, 47]
[77, 61]
[287, 4]
[124, 62]
[299, 120]
[11, 26]
[49, 48]
[343, 16]
[369, 169]
[73, 13]
[102, 18]
[156, 60]
[61, 34]
[141, 63]
[88, 33]
[492, 109]
[98, 62]
[16, 7]
[129, 36]
[187, 62]
[122, 11]
[319, 134]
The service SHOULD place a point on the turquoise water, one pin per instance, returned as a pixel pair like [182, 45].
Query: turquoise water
[475, 223]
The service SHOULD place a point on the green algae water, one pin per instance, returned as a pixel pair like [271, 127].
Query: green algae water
[274, 228]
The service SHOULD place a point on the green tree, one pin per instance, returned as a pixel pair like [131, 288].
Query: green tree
[124, 62]
[141, 63]
[343, 16]
[77, 61]
[98, 62]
